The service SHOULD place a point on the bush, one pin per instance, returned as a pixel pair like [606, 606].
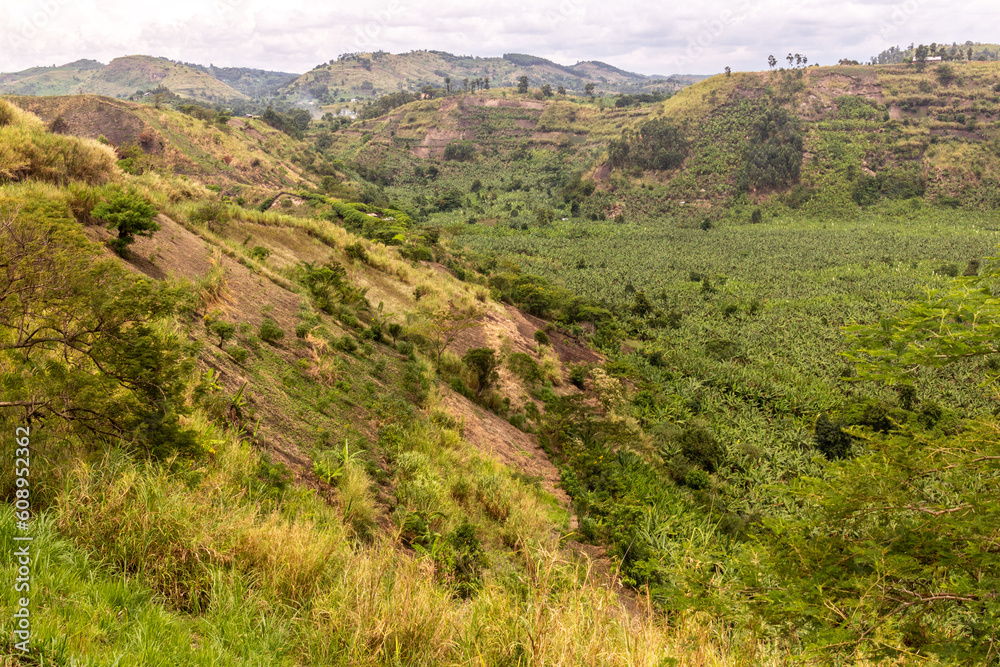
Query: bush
[697, 479]
[357, 251]
[483, 362]
[831, 439]
[463, 151]
[541, 337]
[524, 367]
[657, 144]
[700, 447]
[239, 354]
[269, 331]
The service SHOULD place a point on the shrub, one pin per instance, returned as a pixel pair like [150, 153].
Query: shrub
[462, 151]
[657, 144]
[483, 362]
[269, 331]
[224, 330]
[356, 251]
[239, 354]
[259, 253]
[697, 479]
[541, 337]
[524, 367]
[700, 447]
[831, 439]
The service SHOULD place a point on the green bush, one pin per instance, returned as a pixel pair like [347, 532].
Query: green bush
[831, 439]
[463, 151]
[657, 144]
[700, 447]
[269, 331]
[239, 354]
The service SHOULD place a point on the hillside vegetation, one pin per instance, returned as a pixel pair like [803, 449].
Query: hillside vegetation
[367, 75]
[122, 77]
[512, 378]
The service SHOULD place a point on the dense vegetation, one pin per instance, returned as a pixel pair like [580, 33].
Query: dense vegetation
[788, 439]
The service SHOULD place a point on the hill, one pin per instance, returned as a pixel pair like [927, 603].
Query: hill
[121, 78]
[244, 157]
[367, 75]
[855, 135]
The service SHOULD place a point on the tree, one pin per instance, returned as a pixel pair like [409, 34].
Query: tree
[441, 326]
[547, 90]
[224, 330]
[130, 215]
[790, 58]
[729, 71]
[80, 342]
[447, 84]
[561, 90]
[771, 62]
[522, 84]
[959, 322]
[658, 145]
[589, 89]
[483, 362]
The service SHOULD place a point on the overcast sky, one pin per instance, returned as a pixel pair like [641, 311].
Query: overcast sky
[294, 35]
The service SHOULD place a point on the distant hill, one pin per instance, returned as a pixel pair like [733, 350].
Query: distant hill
[123, 77]
[368, 75]
[866, 133]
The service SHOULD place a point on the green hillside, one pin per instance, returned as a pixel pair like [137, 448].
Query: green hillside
[120, 78]
[367, 75]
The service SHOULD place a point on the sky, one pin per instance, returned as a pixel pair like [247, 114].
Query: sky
[668, 38]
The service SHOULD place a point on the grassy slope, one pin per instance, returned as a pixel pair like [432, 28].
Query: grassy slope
[246, 157]
[119, 78]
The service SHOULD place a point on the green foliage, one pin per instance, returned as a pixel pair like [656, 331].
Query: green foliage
[483, 363]
[773, 157]
[224, 330]
[130, 215]
[893, 540]
[524, 367]
[270, 331]
[462, 151]
[80, 341]
[657, 144]
[831, 439]
[946, 325]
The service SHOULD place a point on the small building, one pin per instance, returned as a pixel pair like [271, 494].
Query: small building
[932, 59]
